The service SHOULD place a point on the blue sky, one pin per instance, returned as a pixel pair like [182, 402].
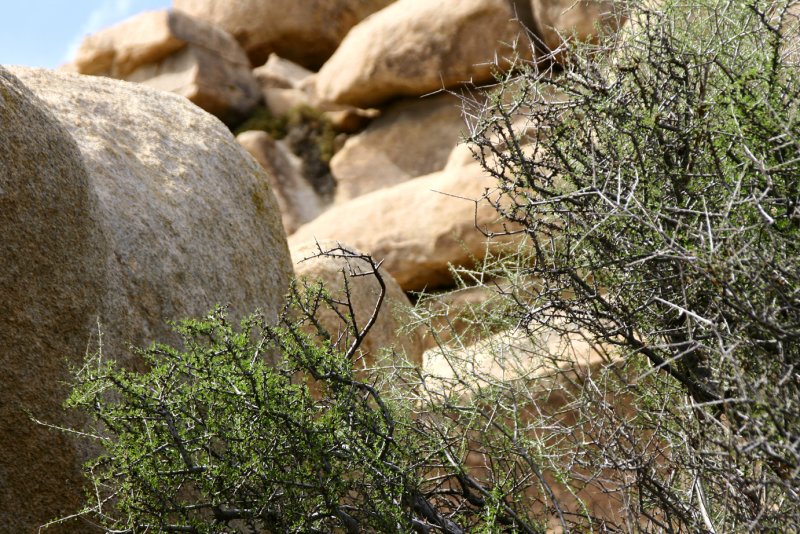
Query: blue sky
[45, 33]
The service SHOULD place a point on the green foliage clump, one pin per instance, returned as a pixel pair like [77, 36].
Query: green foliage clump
[308, 134]
[269, 429]
[261, 119]
[213, 436]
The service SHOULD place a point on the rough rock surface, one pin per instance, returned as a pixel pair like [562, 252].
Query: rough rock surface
[297, 199]
[280, 102]
[306, 32]
[189, 216]
[364, 291]
[411, 138]
[559, 20]
[174, 52]
[52, 281]
[554, 366]
[143, 211]
[460, 156]
[512, 355]
[414, 47]
[280, 73]
[416, 228]
[120, 49]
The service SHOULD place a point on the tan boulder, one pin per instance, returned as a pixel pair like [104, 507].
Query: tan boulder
[414, 47]
[281, 83]
[350, 120]
[297, 199]
[417, 228]
[174, 52]
[118, 204]
[364, 294]
[52, 280]
[460, 156]
[559, 21]
[511, 356]
[119, 50]
[411, 138]
[189, 216]
[306, 32]
[280, 73]
[280, 102]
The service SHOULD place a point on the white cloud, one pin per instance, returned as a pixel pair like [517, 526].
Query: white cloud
[105, 14]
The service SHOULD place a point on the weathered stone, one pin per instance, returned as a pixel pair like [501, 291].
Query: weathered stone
[414, 47]
[460, 156]
[189, 216]
[417, 228]
[511, 356]
[280, 102]
[297, 200]
[306, 32]
[411, 138]
[119, 50]
[280, 73]
[364, 294]
[121, 204]
[552, 368]
[52, 281]
[458, 314]
[174, 52]
[350, 120]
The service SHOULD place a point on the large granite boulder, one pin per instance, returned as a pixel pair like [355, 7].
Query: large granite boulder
[417, 228]
[118, 204]
[411, 138]
[174, 52]
[333, 271]
[414, 47]
[52, 281]
[306, 32]
[189, 216]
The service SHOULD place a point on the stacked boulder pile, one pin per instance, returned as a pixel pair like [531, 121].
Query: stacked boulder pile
[130, 204]
[379, 75]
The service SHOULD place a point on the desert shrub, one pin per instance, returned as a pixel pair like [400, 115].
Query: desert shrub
[267, 428]
[657, 177]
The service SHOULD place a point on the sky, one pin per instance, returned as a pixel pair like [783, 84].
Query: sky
[46, 33]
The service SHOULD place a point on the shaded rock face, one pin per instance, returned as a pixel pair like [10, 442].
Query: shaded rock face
[411, 138]
[417, 228]
[364, 294]
[297, 199]
[52, 282]
[174, 52]
[306, 32]
[189, 216]
[414, 47]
